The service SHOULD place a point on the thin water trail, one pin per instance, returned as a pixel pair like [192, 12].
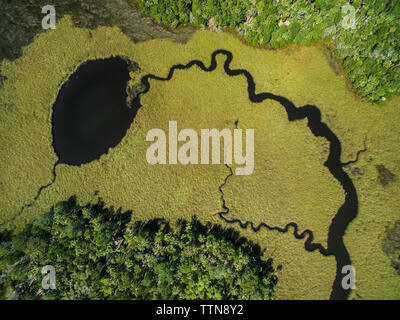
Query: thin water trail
[345, 214]
[349, 209]
[39, 192]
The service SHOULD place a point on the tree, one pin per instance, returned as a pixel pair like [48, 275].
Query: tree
[374, 41]
[98, 255]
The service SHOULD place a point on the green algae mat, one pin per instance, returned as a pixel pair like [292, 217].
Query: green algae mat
[324, 190]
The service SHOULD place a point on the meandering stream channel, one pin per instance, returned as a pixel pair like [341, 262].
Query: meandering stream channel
[90, 116]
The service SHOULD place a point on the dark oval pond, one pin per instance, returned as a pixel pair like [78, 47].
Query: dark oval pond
[90, 114]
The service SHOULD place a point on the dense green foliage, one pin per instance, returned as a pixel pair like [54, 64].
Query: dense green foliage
[391, 245]
[96, 256]
[369, 51]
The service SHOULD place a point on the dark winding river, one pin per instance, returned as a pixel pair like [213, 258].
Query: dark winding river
[91, 115]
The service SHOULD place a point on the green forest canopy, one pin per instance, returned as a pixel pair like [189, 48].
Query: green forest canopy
[96, 255]
[369, 50]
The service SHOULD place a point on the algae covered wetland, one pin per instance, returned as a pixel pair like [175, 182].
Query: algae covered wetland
[283, 152]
